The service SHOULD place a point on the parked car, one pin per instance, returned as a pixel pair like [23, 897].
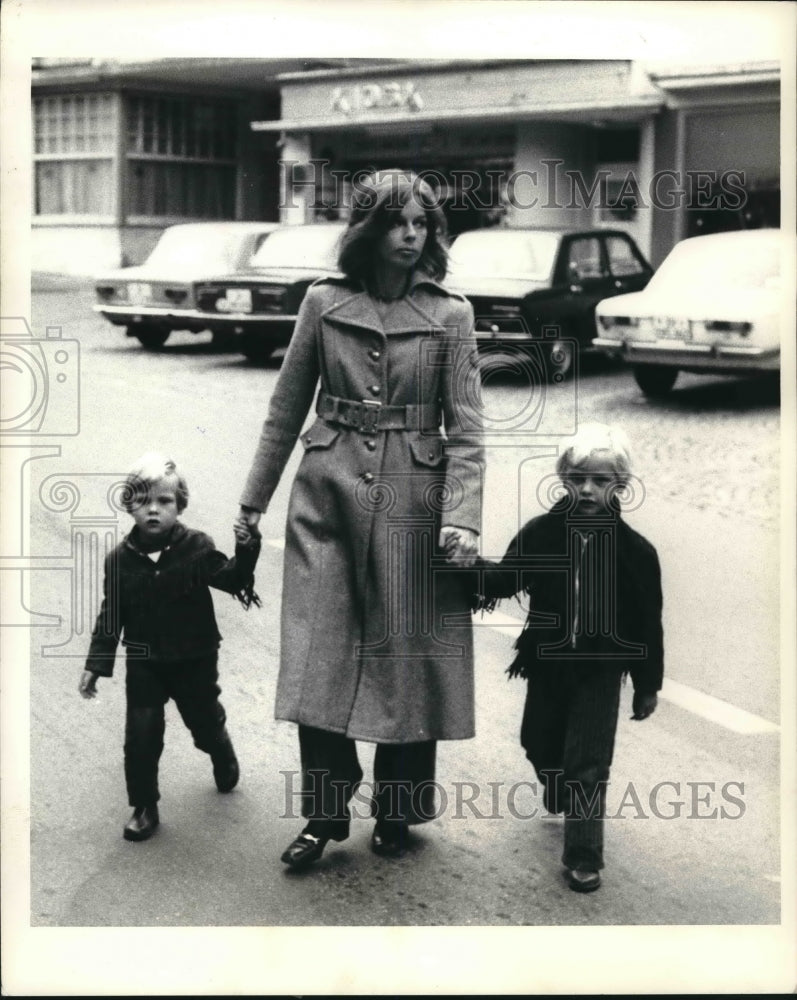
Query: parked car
[541, 286]
[713, 306]
[260, 304]
[159, 296]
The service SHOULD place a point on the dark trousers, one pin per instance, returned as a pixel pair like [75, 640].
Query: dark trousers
[403, 781]
[193, 684]
[568, 730]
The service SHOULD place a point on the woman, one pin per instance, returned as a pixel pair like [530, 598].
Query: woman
[383, 513]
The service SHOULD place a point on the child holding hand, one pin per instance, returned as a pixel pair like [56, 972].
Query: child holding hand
[157, 601]
[595, 614]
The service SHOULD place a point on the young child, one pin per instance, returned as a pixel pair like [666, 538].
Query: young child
[157, 599]
[594, 590]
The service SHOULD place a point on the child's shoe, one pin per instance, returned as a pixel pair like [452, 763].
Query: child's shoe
[225, 764]
[142, 823]
[583, 881]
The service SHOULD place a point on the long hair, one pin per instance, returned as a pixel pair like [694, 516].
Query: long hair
[376, 200]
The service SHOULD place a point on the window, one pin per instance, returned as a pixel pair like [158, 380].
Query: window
[622, 259]
[73, 142]
[79, 187]
[181, 157]
[73, 123]
[585, 259]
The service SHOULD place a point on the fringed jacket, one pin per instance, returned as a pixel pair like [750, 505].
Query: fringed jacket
[164, 610]
[594, 592]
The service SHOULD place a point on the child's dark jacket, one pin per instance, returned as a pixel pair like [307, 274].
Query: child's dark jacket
[164, 610]
[541, 560]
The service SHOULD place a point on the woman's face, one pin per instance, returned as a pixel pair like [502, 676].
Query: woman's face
[403, 243]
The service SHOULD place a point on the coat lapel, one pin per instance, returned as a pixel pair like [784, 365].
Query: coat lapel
[406, 315]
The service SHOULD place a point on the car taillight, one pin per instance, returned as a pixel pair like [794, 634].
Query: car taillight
[607, 322]
[175, 295]
[725, 326]
[107, 292]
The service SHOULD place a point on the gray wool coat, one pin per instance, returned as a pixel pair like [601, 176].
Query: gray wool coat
[376, 628]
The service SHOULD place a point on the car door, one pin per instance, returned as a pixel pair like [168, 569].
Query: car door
[583, 266]
[630, 272]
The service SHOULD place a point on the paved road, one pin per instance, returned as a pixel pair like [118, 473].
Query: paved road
[707, 459]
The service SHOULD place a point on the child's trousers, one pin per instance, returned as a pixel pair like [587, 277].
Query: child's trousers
[568, 731]
[193, 684]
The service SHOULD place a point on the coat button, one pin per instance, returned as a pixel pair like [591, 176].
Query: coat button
[375, 355]
[368, 477]
[370, 444]
[308, 439]
[374, 389]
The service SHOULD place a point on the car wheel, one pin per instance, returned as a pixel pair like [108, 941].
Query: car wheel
[151, 337]
[655, 380]
[255, 348]
[560, 360]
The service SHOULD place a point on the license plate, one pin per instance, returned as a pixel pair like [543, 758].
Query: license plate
[139, 292]
[236, 300]
[671, 328]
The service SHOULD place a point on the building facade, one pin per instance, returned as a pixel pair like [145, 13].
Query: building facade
[664, 152]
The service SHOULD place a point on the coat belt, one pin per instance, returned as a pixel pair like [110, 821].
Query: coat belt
[368, 416]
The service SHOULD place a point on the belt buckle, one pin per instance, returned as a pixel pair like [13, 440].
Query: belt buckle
[369, 416]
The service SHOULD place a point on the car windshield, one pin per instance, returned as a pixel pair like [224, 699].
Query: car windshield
[726, 263]
[191, 248]
[300, 246]
[494, 253]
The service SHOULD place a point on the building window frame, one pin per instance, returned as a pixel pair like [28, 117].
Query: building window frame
[74, 135]
[181, 158]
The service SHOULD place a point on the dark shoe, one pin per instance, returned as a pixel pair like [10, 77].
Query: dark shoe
[142, 823]
[389, 840]
[583, 881]
[303, 851]
[225, 765]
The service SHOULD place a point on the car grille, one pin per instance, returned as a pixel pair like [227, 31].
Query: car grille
[266, 299]
[497, 314]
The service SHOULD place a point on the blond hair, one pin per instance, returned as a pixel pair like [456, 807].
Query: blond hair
[596, 438]
[151, 468]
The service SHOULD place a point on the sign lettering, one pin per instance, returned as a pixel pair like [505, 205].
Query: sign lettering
[367, 96]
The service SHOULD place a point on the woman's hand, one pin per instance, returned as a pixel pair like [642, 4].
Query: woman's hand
[461, 545]
[248, 518]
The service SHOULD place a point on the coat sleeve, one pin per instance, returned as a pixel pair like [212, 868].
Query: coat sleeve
[461, 402]
[500, 579]
[289, 406]
[647, 675]
[235, 576]
[107, 629]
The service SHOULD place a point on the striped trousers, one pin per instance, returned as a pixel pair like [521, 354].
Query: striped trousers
[568, 729]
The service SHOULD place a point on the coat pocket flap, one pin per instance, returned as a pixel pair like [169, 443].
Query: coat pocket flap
[426, 450]
[320, 435]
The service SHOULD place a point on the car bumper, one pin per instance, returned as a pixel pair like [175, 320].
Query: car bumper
[163, 315]
[708, 357]
[249, 320]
